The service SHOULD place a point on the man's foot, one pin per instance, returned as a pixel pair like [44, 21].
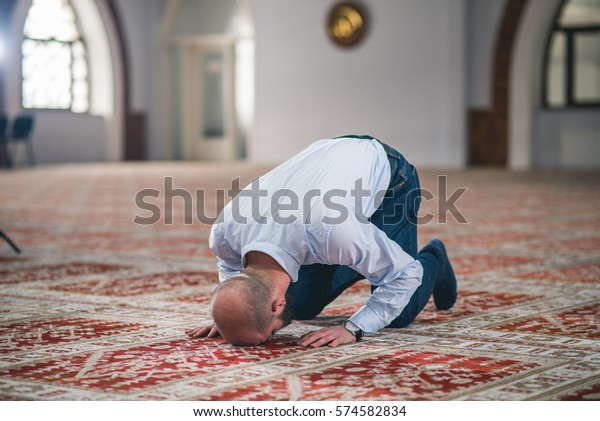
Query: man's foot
[444, 292]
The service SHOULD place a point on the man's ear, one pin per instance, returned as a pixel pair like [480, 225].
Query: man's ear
[278, 304]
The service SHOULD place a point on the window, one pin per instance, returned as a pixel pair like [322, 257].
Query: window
[572, 71]
[54, 66]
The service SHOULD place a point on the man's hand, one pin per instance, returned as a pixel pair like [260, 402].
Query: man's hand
[332, 336]
[209, 331]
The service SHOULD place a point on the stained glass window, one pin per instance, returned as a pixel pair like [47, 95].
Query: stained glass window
[54, 67]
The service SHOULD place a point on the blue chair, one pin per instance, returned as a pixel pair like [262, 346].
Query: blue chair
[6, 158]
[21, 132]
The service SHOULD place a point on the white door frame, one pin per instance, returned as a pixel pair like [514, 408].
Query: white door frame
[194, 144]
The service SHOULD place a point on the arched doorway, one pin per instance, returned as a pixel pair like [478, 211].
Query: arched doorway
[105, 115]
[207, 78]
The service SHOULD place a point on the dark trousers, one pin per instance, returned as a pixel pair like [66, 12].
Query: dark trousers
[318, 284]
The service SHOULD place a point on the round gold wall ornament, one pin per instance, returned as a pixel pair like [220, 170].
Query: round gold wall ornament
[346, 24]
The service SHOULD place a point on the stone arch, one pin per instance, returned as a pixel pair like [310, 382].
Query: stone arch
[488, 129]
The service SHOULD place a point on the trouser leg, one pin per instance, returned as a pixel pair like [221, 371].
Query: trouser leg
[421, 296]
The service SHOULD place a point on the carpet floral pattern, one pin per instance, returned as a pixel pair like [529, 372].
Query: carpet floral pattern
[96, 305]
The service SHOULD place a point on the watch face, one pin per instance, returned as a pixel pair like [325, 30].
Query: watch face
[355, 330]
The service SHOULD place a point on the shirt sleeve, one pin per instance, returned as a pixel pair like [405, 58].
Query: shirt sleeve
[369, 251]
[228, 262]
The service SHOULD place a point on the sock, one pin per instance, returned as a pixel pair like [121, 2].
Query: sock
[444, 292]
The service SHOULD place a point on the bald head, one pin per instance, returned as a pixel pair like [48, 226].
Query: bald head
[242, 310]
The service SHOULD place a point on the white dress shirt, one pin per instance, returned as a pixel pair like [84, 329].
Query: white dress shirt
[306, 213]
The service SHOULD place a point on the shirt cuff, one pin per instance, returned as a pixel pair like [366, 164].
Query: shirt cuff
[367, 320]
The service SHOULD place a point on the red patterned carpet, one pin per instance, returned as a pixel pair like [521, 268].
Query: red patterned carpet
[96, 305]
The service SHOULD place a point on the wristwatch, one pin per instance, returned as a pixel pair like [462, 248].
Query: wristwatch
[355, 330]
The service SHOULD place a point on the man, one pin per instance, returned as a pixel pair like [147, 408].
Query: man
[342, 210]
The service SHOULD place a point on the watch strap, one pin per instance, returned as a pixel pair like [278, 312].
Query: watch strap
[355, 330]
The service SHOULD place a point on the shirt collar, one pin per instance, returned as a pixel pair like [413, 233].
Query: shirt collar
[285, 260]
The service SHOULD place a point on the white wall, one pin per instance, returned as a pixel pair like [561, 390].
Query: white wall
[403, 84]
[568, 139]
[63, 137]
[204, 17]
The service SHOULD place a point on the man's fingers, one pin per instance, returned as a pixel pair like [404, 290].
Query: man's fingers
[213, 333]
[315, 339]
[332, 336]
[335, 343]
[309, 338]
[191, 332]
[305, 338]
[323, 341]
[200, 331]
